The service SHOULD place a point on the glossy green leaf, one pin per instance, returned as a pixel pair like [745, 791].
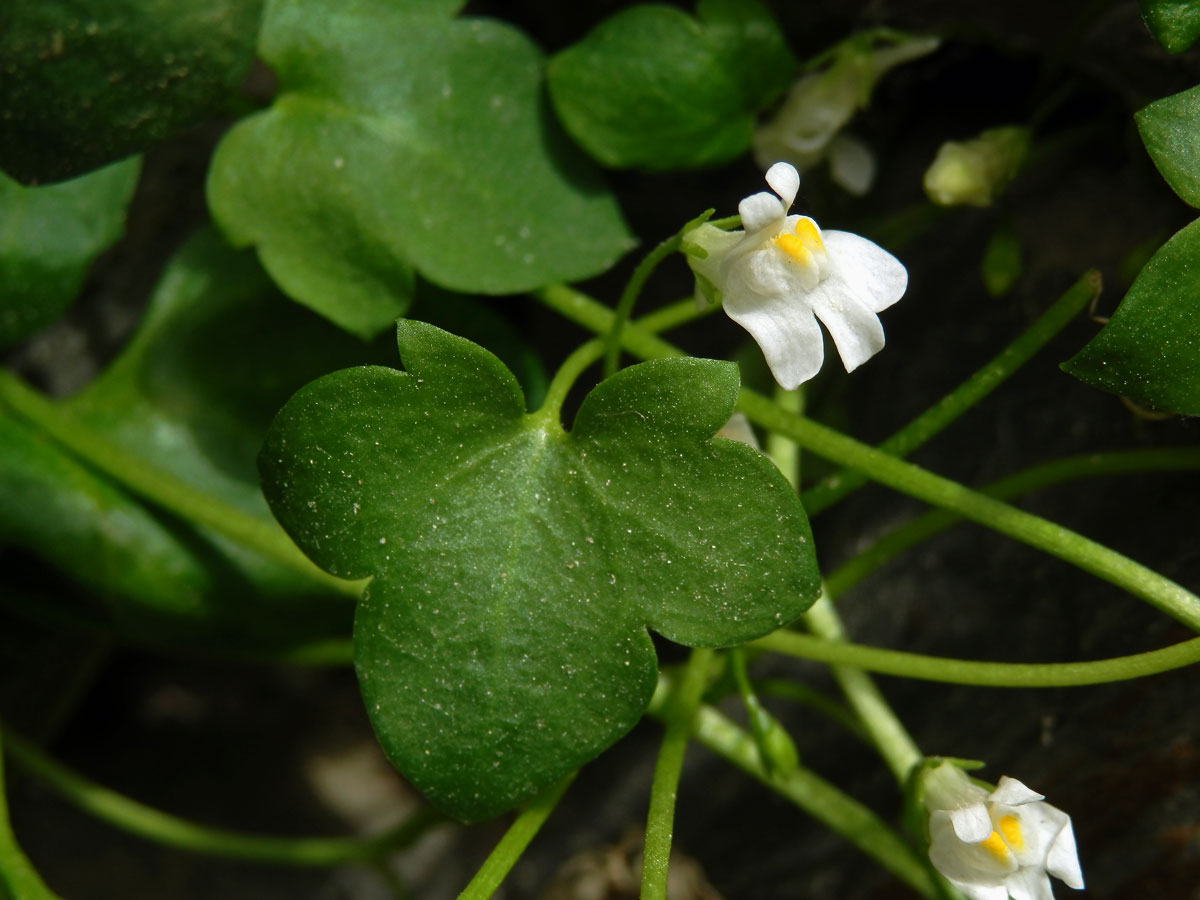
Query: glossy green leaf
[517, 567]
[1150, 349]
[49, 237]
[1170, 129]
[407, 140]
[655, 88]
[1175, 24]
[85, 84]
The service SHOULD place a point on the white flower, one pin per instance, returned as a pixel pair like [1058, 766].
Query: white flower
[782, 273]
[997, 845]
[808, 126]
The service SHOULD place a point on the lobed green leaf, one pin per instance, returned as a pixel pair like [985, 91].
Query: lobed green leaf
[1170, 129]
[655, 88]
[1150, 349]
[49, 237]
[516, 567]
[1175, 24]
[405, 140]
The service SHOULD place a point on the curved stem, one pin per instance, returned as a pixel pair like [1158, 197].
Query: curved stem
[161, 488]
[1142, 582]
[1089, 465]
[818, 798]
[836, 486]
[984, 674]
[612, 341]
[164, 828]
[18, 878]
[566, 376]
[506, 853]
[681, 312]
[680, 713]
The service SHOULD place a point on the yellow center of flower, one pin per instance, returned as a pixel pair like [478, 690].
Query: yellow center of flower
[802, 243]
[999, 846]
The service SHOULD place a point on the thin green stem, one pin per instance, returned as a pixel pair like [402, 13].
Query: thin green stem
[566, 376]
[782, 448]
[18, 878]
[836, 486]
[161, 488]
[983, 674]
[887, 732]
[1086, 466]
[816, 700]
[506, 853]
[612, 341]
[818, 798]
[164, 828]
[675, 314]
[680, 713]
[1142, 582]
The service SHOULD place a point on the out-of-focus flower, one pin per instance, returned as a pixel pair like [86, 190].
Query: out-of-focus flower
[782, 273]
[807, 128]
[975, 172]
[995, 845]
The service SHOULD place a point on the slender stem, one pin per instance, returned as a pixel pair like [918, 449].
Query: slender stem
[612, 341]
[161, 488]
[818, 798]
[675, 314]
[566, 376]
[164, 828]
[680, 714]
[984, 674]
[832, 709]
[782, 448]
[887, 733]
[1086, 466]
[836, 486]
[18, 878]
[506, 853]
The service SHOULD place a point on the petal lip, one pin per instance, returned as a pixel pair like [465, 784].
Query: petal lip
[1011, 792]
[1063, 859]
[785, 331]
[876, 277]
[971, 823]
[785, 181]
[856, 330]
[761, 210]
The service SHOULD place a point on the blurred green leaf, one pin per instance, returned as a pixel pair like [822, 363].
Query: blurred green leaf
[1175, 24]
[85, 84]
[516, 566]
[1170, 129]
[405, 140]
[49, 237]
[655, 88]
[1150, 349]
[1001, 264]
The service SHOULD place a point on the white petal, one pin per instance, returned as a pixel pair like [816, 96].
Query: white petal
[851, 164]
[785, 181]
[785, 331]
[1029, 884]
[982, 891]
[971, 823]
[761, 210]
[1011, 792]
[875, 276]
[1063, 859]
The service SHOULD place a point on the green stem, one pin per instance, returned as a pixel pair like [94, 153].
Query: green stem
[18, 878]
[887, 732]
[1086, 466]
[164, 828]
[832, 709]
[506, 853]
[818, 798]
[983, 674]
[836, 486]
[566, 376]
[612, 341]
[782, 448]
[161, 488]
[680, 714]
[1142, 582]
[675, 314]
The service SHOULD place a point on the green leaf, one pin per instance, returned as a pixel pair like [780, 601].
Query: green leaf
[1170, 129]
[406, 140]
[86, 84]
[1175, 24]
[49, 237]
[1150, 349]
[503, 641]
[1002, 263]
[655, 88]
